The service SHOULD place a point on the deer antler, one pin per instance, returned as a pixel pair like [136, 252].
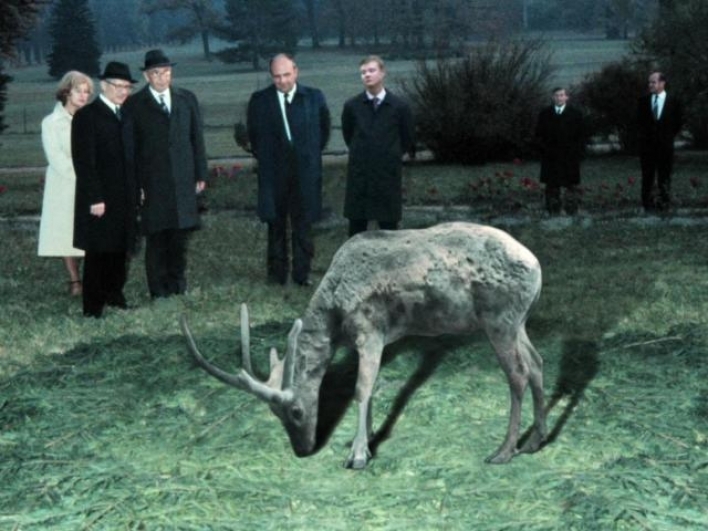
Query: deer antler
[243, 380]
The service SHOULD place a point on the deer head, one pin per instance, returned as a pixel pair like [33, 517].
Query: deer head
[295, 406]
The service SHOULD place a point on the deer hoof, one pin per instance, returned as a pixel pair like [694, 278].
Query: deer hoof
[499, 457]
[534, 443]
[357, 462]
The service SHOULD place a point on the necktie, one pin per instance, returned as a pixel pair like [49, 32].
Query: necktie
[558, 110]
[163, 105]
[288, 115]
[376, 101]
[118, 113]
[655, 107]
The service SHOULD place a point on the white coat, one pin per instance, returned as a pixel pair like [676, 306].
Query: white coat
[56, 228]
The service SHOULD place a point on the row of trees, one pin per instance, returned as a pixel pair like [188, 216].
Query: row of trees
[489, 96]
[407, 25]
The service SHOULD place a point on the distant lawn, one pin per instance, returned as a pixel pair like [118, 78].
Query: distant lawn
[223, 90]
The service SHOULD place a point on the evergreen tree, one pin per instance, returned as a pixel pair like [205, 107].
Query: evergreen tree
[72, 31]
[16, 19]
[262, 27]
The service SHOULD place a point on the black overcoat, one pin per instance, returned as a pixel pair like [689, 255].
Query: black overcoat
[98, 151]
[561, 139]
[169, 158]
[377, 141]
[310, 127]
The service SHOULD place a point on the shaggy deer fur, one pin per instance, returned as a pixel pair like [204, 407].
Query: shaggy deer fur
[453, 278]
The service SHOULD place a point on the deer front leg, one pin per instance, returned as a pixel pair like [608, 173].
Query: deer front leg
[369, 363]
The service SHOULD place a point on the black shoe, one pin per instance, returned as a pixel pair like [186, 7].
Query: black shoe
[304, 283]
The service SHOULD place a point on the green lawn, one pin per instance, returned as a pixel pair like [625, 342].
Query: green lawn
[108, 424]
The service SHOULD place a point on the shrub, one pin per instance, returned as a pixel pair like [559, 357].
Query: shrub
[610, 100]
[482, 107]
[678, 42]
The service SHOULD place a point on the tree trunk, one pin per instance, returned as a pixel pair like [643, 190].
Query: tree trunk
[205, 44]
[312, 21]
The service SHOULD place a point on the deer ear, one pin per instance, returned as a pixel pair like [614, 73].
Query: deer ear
[275, 380]
[291, 353]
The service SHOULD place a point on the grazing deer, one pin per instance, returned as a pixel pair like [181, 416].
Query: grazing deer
[453, 278]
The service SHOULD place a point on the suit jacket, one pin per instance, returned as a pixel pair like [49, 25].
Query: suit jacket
[657, 136]
[561, 138]
[168, 158]
[377, 141]
[310, 127]
[98, 151]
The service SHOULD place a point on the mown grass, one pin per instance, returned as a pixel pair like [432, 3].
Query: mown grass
[108, 424]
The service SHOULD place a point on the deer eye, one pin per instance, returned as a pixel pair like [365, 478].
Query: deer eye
[296, 413]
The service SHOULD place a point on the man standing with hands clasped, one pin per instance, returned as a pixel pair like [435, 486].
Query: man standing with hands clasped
[171, 169]
[288, 127]
[106, 194]
[378, 130]
[659, 120]
[560, 134]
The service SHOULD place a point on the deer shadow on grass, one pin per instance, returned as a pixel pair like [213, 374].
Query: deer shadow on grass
[579, 365]
[339, 384]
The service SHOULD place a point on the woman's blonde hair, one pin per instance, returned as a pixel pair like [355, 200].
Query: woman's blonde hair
[71, 80]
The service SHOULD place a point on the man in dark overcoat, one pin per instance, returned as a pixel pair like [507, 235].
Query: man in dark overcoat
[106, 194]
[659, 120]
[561, 137]
[288, 127]
[171, 169]
[378, 130]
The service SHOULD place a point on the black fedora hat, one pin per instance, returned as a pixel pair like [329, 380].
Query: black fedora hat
[116, 70]
[155, 59]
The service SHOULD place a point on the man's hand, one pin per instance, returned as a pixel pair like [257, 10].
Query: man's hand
[98, 209]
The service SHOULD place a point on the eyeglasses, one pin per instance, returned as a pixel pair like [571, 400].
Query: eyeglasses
[119, 86]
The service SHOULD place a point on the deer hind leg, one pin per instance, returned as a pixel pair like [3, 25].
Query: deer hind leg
[369, 364]
[537, 436]
[518, 364]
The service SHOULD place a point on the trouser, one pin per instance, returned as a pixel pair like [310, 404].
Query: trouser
[656, 167]
[166, 262]
[360, 225]
[104, 277]
[303, 247]
[554, 202]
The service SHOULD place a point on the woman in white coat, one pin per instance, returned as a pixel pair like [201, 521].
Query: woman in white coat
[56, 228]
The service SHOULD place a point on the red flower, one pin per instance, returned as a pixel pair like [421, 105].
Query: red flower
[3, 189]
[529, 184]
[235, 170]
[517, 161]
[631, 181]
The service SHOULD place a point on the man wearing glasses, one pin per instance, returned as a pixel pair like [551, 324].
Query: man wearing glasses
[171, 169]
[106, 194]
